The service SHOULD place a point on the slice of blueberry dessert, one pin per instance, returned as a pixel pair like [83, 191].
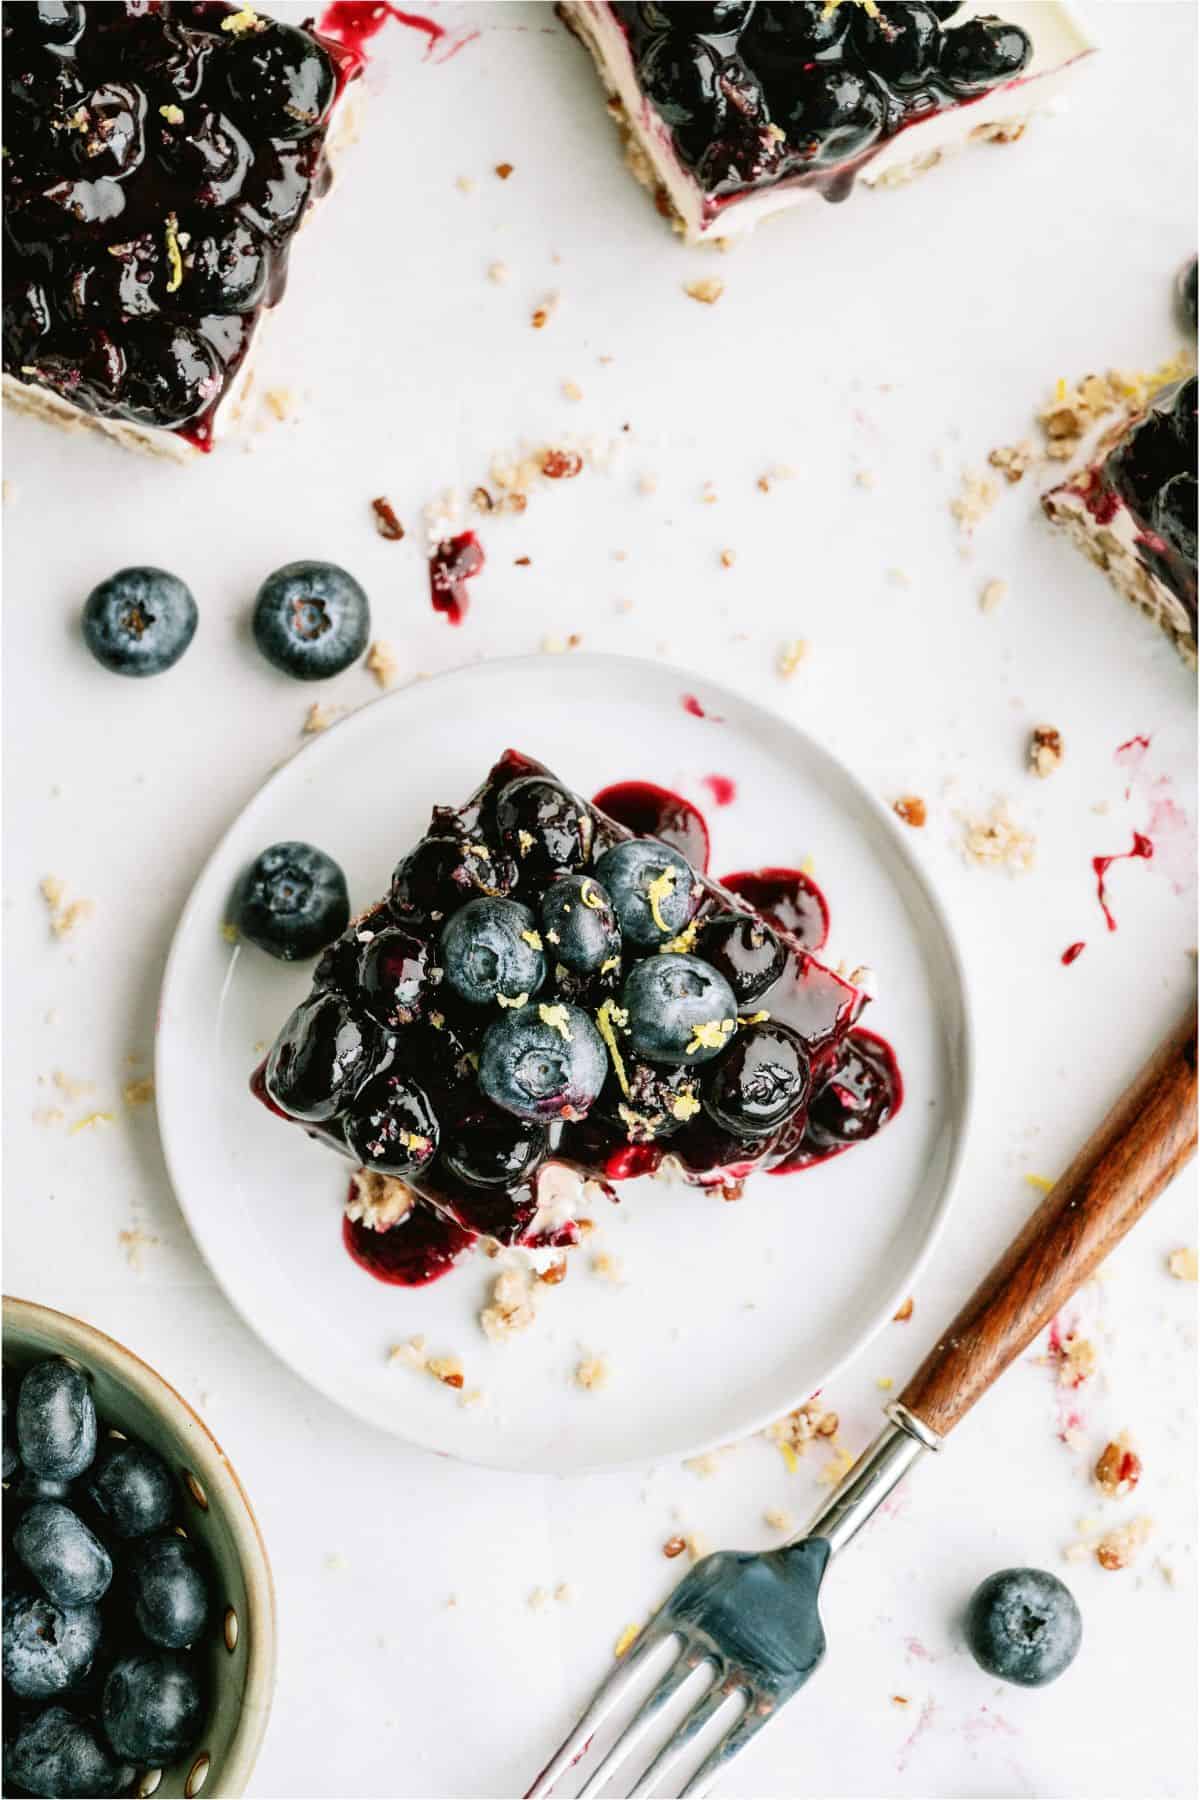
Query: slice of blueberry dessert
[736, 110]
[1132, 510]
[158, 161]
[545, 999]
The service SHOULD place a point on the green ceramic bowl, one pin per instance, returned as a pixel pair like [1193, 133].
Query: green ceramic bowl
[132, 1398]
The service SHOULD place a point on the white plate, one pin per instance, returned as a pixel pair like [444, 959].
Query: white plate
[727, 1315]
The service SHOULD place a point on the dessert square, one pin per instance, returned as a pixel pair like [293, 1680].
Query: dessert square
[159, 161]
[550, 996]
[735, 110]
[1132, 510]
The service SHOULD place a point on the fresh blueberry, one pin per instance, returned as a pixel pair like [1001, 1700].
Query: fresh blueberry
[152, 1708]
[167, 1586]
[545, 829]
[492, 952]
[744, 950]
[679, 1010]
[1185, 293]
[652, 1102]
[762, 1082]
[174, 374]
[543, 1062]
[47, 1648]
[393, 1129]
[280, 80]
[395, 976]
[68, 1562]
[139, 621]
[1023, 1626]
[651, 889]
[899, 43]
[56, 1420]
[579, 925]
[443, 871]
[320, 1059]
[10, 1446]
[57, 1754]
[292, 901]
[312, 620]
[489, 1148]
[31, 1488]
[131, 1488]
[830, 112]
[982, 53]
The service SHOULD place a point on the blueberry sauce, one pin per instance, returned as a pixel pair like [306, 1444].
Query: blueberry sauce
[1141, 850]
[864, 1091]
[453, 563]
[157, 168]
[722, 789]
[786, 897]
[649, 811]
[421, 1249]
[1072, 953]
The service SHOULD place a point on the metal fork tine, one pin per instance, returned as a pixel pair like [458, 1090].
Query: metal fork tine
[724, 1751]
[680, 1740]
[609, 1694]
[650, 1711]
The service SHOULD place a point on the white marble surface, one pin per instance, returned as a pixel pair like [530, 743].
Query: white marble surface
[902, 336]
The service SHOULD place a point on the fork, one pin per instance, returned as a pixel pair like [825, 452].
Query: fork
[741, 1634]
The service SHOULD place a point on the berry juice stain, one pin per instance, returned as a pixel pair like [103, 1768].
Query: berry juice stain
[650, 811]
[355, 22]
[422, 1249]
[454, 562]
[786, 897]
[1141, 851]
[691, 705]
[1072, 953]
[722, 789]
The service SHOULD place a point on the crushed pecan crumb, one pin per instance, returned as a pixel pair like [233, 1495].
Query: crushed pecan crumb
[993, 595]
[382, 663]
[592, 1373]
[65, 915]
[675, 1546]
[504, 170]
[996, 841]
[561, 465]
[1119, 1547]
[1118, 1469]
[386, 522]
[707, 290]
[790, 656]
[1045, 750]
[1182, 1264]
[511, 1308]
[975, 499]
[554, 1274]
[910, 808]
[905, 1312]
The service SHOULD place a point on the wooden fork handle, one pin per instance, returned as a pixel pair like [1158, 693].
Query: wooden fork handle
[1147, 1137]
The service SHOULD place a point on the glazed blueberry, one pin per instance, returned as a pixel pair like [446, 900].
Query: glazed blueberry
[57, 1754]
[210, 157]
[173, 376]
[312, 620]
[543, 1062]
[128, 280]
[720, 18]
[1185, 293]
[492, 952]
[10, 1443]
[1023, 1626]
[393, 1128]
[292, 901]
[679, 1010]
[113, 140]
[320, 1059]
[900, 43]
[47, 1648]
[1173, 514]
[280, 80]
[830, 112]
[152, 1709]
[744, 950]
[545, 829]
[652, 1103]
[651, 889]
[761, 1084]
[443, 872]
[139, 622]
[68, 1562]
[579, 925]
[795, 31]
[276, 190]
[982, 53]
[394, 975]
[228, 270]
[166, 1585]
[857, 1098]
[490, 1148]
[56, 1420]
[131, 1488]
[680, 76]
[47, 22]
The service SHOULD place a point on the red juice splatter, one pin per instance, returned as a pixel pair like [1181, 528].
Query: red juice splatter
[1072, 953]
[355, 22]
[1142, 850]
[691, 705]
[451, 566]
[722, 789]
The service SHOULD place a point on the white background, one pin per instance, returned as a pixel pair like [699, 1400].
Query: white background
[901, 335]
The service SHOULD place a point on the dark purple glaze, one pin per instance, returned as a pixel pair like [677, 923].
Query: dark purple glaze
[650, 811]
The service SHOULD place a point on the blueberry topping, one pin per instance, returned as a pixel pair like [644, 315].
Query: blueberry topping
[761, 1084]
[210, 157]
[320, 1059]
[831, 113]
[173, 376]
[68, 1562]
[856, 1099]
[393, 1129]
[490, 1148]
[57, 1754]
[545, 829]
[744, 950]
[394, 975]
[579, 925]
[651, 890]
[719, 18]
[10, 1443]
[492, 952]
[47, 22]
[543, 1062]
[1185, 293]
[443, 872]
[1023, 1626]
[131, 1488]
[280, 81]
[47, 1648]
[680, 76]
[56, 1420]
[312, 620]
[152, 1708]
[292, 901]
[982, 53]
[796, 30]
[112, 139]
[139, 622]
[167, 1586]
[652, 1103]
[228, 270]
[679, 1010]
[900, 43]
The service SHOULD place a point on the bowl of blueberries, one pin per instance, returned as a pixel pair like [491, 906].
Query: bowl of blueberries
[139, 1612]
